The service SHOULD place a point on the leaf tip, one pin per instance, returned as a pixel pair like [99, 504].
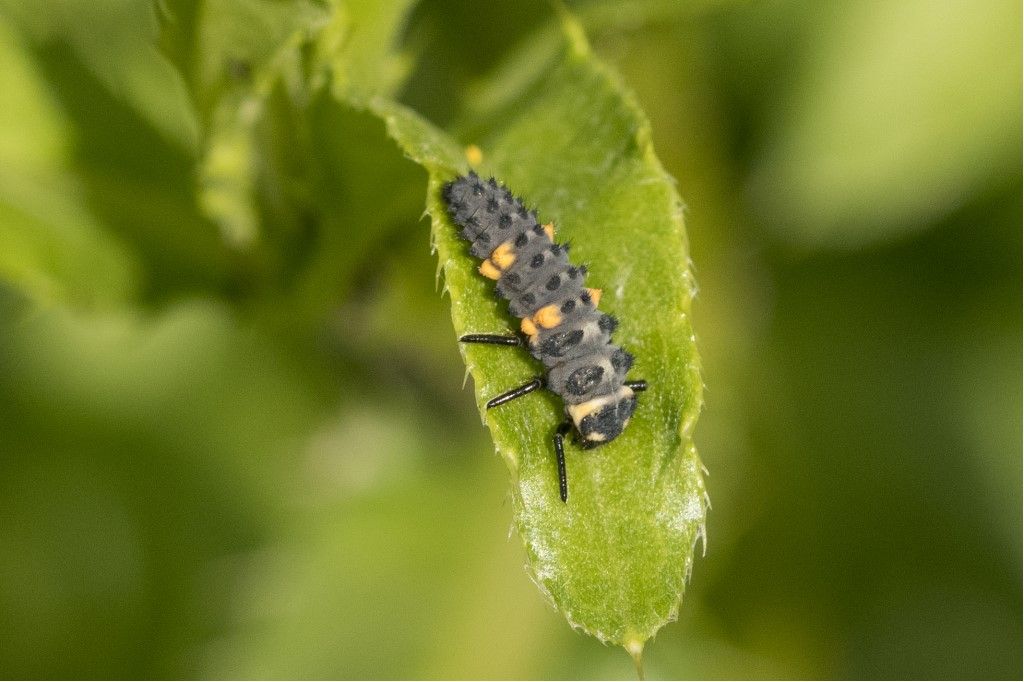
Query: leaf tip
[635, 648]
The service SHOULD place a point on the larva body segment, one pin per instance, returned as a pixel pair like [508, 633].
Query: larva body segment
[560, 319]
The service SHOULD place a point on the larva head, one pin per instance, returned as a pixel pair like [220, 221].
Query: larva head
[603, 418]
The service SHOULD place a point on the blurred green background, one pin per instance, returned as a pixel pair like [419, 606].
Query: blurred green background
[234, 439]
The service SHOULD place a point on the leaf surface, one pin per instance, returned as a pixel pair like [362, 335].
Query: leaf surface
[573, 143]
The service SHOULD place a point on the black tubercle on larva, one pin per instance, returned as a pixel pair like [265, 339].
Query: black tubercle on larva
[584, 379]
[564, 328]
[622, 360]
[559, 344]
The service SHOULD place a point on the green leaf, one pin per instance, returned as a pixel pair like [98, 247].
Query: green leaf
[112, 41]
[298, 202]
[284, 49]
[573, 142]
[360, 46]
[51, 247]
[237, 73]
[134, 134]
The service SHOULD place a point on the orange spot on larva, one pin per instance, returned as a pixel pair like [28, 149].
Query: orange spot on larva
[528, 327]
[595, 296]
[549, 230]
[504, 256]
[488, 270]
[548, 317]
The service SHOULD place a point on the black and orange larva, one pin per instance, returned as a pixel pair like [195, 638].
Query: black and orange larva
[561, 325]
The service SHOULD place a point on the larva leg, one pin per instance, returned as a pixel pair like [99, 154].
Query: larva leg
[637, 385]
[528, 387]
[563, 485]
[494, 339]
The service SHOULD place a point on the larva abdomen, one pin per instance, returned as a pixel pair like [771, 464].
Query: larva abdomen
[559, 314]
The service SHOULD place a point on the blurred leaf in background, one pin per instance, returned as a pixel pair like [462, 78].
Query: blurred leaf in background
[232, 437]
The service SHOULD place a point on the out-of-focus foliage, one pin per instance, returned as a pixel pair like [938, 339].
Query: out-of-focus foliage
[232, 436]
